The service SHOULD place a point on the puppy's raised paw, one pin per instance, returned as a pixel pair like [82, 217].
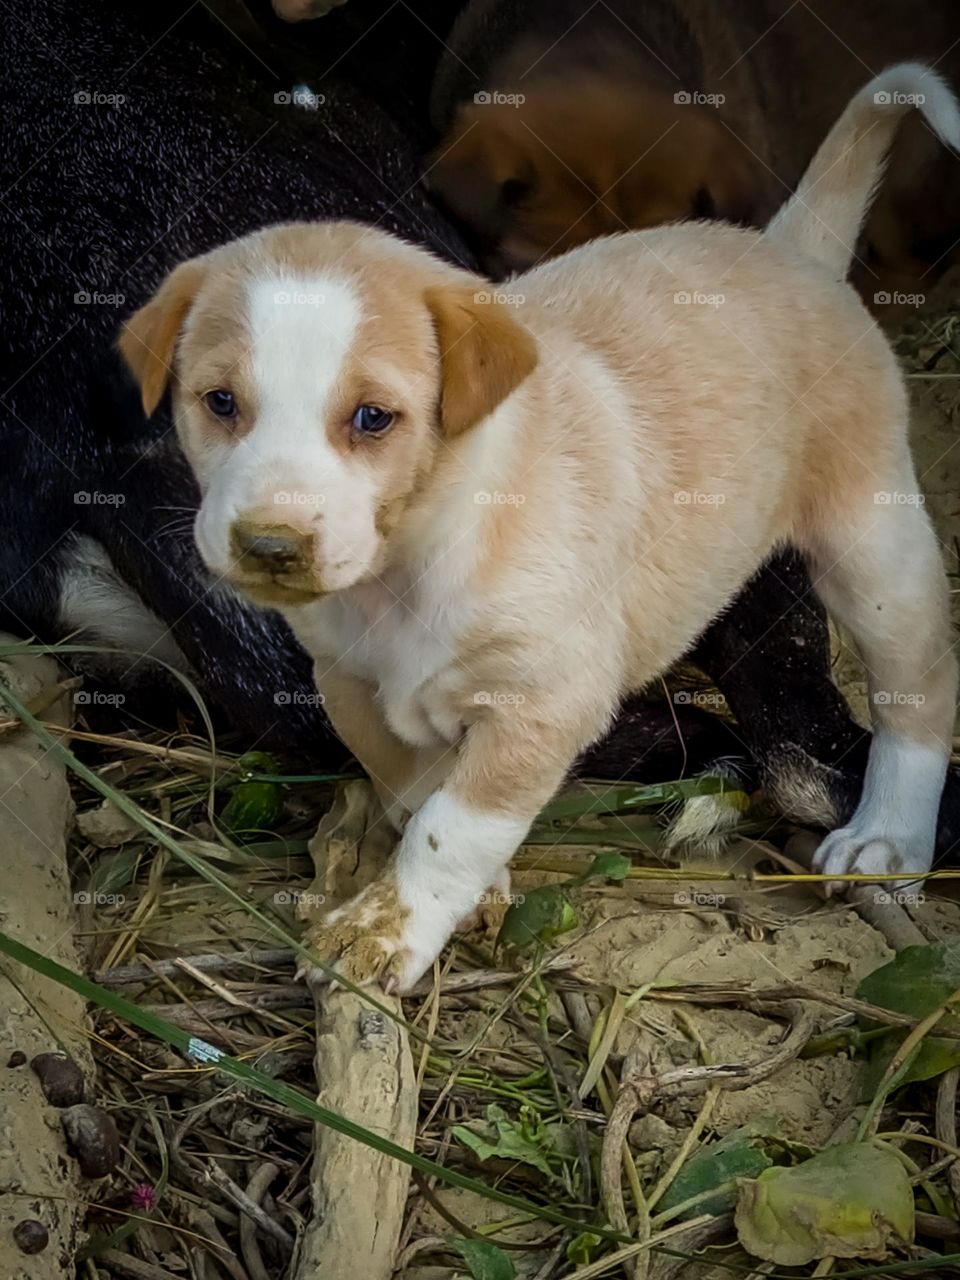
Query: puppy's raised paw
[357, 940]
[372, 937]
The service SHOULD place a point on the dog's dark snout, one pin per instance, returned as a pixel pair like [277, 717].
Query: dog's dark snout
[276, 550]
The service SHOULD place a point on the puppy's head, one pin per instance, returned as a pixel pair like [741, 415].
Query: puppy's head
[577, 160]
[317, 372]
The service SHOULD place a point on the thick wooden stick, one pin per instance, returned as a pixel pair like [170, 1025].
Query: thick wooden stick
[365, 1071]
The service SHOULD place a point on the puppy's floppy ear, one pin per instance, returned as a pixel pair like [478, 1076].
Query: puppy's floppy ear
[150, 335]
[484, 353]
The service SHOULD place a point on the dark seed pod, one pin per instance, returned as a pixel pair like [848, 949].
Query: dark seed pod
[17, 1058]
[60, 1079]
[92, 1139]
[30, 1236]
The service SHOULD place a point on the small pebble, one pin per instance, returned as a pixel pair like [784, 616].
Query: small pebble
[60, 1079]
[17, 1058]
[92, 1139]
[30, 1236]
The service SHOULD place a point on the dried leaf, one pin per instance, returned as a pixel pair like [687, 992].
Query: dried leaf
[847, 1202]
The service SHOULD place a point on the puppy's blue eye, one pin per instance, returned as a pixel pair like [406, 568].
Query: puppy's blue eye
[221, 403]
[371, 420]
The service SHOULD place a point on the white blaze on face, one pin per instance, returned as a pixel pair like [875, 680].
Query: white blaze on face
[301, 332]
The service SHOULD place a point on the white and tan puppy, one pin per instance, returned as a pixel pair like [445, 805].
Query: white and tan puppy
[488, 519]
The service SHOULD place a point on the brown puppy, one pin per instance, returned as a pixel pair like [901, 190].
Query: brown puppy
[490, 520]
[559, 124]
[587, 157]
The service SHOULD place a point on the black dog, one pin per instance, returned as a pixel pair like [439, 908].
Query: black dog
[162, 138]
[133, 144]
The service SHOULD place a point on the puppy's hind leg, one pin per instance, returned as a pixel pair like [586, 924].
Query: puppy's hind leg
[878, 569]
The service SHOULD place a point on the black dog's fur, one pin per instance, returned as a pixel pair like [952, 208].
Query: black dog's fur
[106, 198]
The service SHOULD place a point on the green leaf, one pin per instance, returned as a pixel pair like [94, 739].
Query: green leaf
[740, 1154]
[934, 1056]
[508, 1140]
[917, 981]
[603, 798]
[254, 806]
[583, 1248]
[847, 1202]
[252, 762]
[115, 871]
[536, 918]
[485, 1260]
[608, 866]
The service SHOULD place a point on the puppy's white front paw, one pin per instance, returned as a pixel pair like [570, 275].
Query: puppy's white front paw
[858, 850]
[373, 937]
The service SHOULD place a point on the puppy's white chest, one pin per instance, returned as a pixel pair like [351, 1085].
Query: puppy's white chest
[400, 645]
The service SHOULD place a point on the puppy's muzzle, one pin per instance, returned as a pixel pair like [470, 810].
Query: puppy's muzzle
[278, 551]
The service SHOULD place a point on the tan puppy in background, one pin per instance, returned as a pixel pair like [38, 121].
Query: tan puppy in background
[489, 522]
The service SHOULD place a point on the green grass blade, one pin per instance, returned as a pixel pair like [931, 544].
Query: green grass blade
[618, 799]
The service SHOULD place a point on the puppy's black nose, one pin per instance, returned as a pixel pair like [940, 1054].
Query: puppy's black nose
[270, 549]
[276, 550]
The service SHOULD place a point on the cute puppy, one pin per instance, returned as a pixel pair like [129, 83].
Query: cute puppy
[489, 518]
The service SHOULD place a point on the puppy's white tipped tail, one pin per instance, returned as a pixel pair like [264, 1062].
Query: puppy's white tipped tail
[824, 216]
